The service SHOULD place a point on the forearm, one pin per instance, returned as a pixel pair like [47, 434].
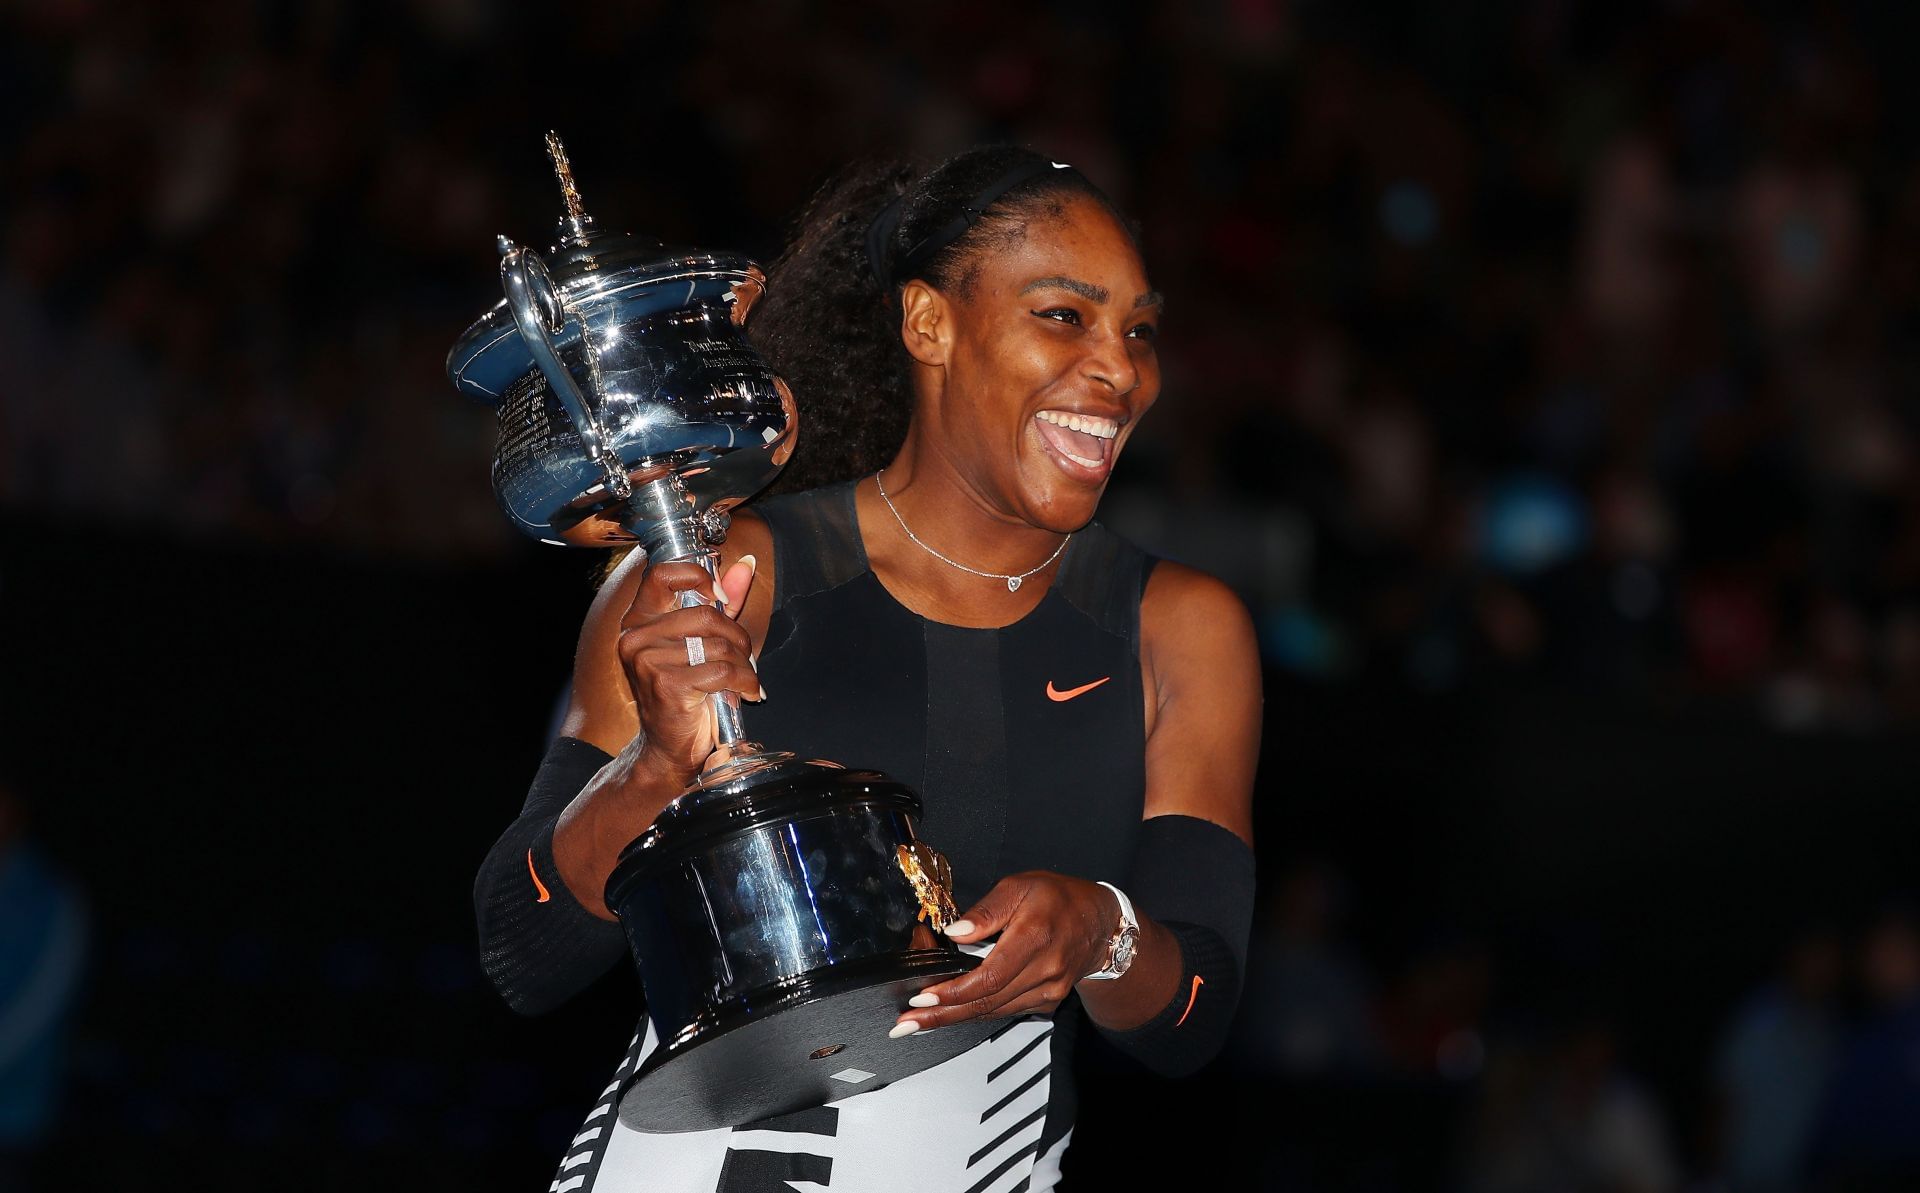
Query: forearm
[615, 806]
[1192, 890]
[538, 945]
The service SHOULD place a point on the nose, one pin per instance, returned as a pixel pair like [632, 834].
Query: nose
[1109, 362]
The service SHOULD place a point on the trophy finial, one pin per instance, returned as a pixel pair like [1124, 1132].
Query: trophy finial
[576, 224]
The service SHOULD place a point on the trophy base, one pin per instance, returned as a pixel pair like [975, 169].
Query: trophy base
[801, 1044]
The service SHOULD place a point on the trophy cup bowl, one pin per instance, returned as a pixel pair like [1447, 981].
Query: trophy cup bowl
[781, 911]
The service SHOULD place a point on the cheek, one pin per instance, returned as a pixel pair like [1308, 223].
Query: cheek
[1006, 361]
[1034, 359]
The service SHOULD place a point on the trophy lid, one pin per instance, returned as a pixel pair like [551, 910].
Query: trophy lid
[580, 247]
[597, 276]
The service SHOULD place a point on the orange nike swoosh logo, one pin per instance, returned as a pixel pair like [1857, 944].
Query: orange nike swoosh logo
[1198, 982]
[542, 887]
[1054, 693]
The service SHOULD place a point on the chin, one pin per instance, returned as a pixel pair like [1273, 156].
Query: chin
[1063, 506]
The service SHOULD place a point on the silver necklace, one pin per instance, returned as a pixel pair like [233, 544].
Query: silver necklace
[1013, 582]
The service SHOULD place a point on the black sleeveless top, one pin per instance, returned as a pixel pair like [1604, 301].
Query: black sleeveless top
[1026, 743]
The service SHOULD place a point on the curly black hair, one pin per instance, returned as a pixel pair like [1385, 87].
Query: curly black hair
[831, 327]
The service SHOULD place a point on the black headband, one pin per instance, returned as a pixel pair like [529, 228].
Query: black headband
[881, 230]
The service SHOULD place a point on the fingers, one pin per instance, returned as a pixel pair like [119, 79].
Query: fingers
[734, 583]
[1035, 1000]
[661, 673]
[726, 677]
[1023, 971]
[700, 621]
[1011, 960]
[659, 667]
[681, 641]
[993, 912]
[1046, 923]
[660, 587]
[1037, 986]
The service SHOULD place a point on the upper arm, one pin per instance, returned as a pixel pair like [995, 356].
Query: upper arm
[1201, 667]
[600, 707]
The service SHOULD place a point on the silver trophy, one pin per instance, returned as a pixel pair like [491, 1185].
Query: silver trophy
[781, 911]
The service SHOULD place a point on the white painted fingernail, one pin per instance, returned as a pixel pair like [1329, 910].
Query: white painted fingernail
[719, 595]
[753, 564]
[960, 928]
[924, 1000]
[904, 1029]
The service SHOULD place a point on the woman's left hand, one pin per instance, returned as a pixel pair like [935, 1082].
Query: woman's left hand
[1053, 931]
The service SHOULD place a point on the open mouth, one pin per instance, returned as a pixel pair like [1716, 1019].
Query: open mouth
[1085, 439]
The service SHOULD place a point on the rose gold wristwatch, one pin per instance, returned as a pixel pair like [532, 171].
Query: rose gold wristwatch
[1125, 938]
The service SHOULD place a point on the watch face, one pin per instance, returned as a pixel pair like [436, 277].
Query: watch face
[1123, 951]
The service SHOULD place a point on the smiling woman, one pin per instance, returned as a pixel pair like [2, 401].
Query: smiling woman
[970, 348]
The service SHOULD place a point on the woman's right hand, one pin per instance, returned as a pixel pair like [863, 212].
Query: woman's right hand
[671, 693]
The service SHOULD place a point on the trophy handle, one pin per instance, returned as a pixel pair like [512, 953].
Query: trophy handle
[538, 313]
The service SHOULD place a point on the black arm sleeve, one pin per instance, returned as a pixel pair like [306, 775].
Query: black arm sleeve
[1195, 879]
[537, 944]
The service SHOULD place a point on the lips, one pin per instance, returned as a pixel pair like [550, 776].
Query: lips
[1084, 440]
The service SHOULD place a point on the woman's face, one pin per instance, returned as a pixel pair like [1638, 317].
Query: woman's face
[1050, 365]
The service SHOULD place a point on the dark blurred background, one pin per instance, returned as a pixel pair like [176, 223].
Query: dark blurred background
[1541, 373]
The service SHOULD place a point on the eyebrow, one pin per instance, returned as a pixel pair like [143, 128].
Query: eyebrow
[1090, 292]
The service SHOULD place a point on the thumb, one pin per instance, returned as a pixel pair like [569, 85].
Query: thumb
[991, 913]
[735, 582]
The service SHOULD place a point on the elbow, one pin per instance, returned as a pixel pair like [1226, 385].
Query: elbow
[514, 963]
[1194, 1050]
[537, 956]
[1167, 1047]
[509, 980]
[519, 984]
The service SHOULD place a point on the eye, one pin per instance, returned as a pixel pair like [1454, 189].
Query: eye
[1065, 315]
[1146, 332]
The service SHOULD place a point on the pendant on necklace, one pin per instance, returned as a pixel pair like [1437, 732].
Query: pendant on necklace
[1013, 584]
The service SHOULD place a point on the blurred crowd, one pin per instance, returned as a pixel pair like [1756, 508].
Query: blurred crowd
[1577, 335]
[1812, 1083]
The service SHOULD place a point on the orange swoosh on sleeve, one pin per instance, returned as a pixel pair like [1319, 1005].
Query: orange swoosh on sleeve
[1198, 982]
[1056, 694]
[542, 887]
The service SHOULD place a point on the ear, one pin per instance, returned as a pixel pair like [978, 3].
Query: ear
[926, 323]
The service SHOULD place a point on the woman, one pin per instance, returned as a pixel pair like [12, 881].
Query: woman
[1081, 722]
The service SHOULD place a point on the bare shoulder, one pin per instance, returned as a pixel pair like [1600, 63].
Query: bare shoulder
[1191, 621]
[600, 707]
[1200, 663]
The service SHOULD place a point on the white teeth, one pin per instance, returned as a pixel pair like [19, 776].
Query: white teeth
[1086, 424]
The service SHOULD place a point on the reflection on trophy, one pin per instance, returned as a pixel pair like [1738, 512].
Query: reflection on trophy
[781, 911]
